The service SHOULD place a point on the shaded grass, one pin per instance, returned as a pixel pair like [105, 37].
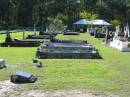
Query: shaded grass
[110, 74]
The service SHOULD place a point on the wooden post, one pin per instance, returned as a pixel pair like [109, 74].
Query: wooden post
[23, 34]
[35, 29]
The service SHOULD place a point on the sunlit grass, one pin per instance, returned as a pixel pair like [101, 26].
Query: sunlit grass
[110, 74]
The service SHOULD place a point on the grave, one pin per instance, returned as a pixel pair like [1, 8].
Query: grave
[18, 42]
[67, 50]
[2, 64]
[99, 35]
[120, 41]
[70, 33]
[38, 37]
[46, 33]
[21, 43]
[37, 63]
[67, 41]
[42, 35]
[22, 77]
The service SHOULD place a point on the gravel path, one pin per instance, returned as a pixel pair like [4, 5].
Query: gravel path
[8, 89]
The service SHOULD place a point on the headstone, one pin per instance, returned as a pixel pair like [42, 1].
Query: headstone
[128, 30]
[7, 34]
[23, 77]
[125, 31]
[34, 29]
[117, 31]
[23, 34]
[2, 63]
[37, 63]
[8, 37]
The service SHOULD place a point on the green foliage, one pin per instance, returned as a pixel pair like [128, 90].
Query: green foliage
[88, 15]
[56, 24]
[63, 18]
[27, 12]
[115, 22]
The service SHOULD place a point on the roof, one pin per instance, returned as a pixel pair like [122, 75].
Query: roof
[82, 22]
[100, 22]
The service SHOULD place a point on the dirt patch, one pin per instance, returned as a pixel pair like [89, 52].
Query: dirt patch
[8, 89]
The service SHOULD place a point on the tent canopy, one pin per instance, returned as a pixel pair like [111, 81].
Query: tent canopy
[100, 22]
[83, 22]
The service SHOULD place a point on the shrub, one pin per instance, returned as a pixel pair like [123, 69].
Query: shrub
[115, 22]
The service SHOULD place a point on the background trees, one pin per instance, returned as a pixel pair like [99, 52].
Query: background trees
[25, 13]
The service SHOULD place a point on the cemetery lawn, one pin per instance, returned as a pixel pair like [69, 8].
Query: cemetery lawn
[110, 74]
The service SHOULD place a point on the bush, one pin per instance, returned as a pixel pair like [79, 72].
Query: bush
[88, 15]
[115, 22]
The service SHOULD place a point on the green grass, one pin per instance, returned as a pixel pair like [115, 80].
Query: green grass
[110, 74]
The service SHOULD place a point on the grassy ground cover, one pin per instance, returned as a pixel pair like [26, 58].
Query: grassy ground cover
[110, 74]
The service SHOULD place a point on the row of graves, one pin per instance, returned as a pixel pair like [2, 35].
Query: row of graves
[29, 41]
[67, 49]
[55, 48]
[42, 35]
[119, 38]
[48, 47]
[33, 40]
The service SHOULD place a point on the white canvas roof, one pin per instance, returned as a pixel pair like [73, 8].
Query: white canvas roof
[83, 22]
[100, 22]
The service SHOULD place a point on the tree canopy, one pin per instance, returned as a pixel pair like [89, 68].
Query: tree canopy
[28, 12]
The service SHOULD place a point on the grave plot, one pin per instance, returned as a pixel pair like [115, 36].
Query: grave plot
[22, 77]
[71, 44]
[67, 50]
[2, 64]
[9, 41]
[100, 35]
[67, 41]
[67, 46]
[121, 41]
[46, 33]
[40, 36]
[21, 43]
[71, 33]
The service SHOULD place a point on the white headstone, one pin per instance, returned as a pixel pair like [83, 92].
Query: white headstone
[128, 30]
[125, 31]
[117, 30]
[2, 63]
